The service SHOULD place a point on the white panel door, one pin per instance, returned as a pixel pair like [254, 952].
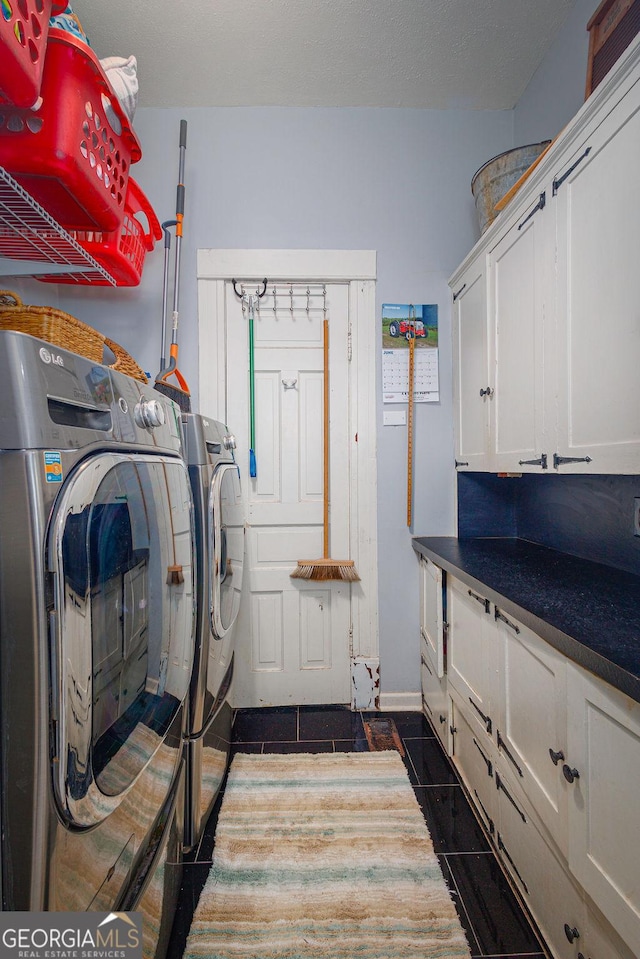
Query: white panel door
[299, 631]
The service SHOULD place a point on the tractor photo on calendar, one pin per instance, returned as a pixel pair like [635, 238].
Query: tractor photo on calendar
[402, 322]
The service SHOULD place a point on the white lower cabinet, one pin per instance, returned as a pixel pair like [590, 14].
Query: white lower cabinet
[554, 900]
[472, 649]
[550, 756]
[472, 752]
[531, 720]
[604, 804]
[432, 649]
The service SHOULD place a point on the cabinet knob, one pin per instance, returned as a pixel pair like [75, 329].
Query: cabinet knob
[442, 718]
[570, 774]
[556, 757]
[571, 933]
[487, 392]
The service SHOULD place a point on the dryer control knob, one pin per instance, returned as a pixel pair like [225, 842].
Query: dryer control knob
[149, 413]
[229, 441]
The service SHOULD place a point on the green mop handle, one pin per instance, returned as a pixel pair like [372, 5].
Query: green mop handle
[253, 471]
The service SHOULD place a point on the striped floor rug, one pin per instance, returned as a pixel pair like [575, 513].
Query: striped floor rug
[324, 856]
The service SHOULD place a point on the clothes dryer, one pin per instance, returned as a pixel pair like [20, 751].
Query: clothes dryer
[219, 529]
[97, 619]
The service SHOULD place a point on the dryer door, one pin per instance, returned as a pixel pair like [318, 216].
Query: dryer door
[226, 548]
[121, 551]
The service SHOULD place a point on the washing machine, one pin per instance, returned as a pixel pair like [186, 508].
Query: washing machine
[97, 631]
[219, 532]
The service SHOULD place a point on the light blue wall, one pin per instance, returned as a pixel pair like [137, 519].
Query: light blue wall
[556, 91]
[395, 181]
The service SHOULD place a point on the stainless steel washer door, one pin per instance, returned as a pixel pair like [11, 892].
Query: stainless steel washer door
[226, 548]
[121, 550]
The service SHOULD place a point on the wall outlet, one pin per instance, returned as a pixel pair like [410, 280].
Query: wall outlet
[636, 516]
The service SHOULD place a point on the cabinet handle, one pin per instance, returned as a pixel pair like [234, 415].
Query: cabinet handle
[561, 460]
[460, 463]
[485, 719]
[557, 183]
[542, 462]
[540, 205]
[570, 774]
[487, 392]
[503, 619]
[571, 932]
[556, 757]
[480, 599]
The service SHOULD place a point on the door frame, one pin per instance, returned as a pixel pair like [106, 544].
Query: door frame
[357, 268]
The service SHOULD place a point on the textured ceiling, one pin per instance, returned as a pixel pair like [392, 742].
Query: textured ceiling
[440, 54]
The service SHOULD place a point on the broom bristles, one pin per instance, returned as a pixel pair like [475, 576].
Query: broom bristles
[324, 569]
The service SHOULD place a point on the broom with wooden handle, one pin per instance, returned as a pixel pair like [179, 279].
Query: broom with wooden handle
[326, 568]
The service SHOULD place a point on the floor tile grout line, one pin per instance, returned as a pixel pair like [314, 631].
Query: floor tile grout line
[463, 905]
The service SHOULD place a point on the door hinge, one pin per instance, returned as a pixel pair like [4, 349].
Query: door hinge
[561, 460]
[540, 205]
[349, 344]
[503, 746]
[351, 640]
[542, 462]
[503, 848]
[557, 183]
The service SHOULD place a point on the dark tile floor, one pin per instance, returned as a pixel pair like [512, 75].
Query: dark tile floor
[495, 924]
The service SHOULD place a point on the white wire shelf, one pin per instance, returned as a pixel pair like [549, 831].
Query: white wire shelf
[32, 243]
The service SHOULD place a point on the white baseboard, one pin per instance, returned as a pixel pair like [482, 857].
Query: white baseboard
[401, 702]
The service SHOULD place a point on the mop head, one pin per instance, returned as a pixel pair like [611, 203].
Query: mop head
[181, 397]
[324, 569]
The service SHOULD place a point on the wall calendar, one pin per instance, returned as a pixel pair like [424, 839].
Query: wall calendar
[400, 323]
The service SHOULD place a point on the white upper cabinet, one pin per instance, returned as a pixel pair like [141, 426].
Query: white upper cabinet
[472, 384]
[549, 380]
[598, 307]
[518, 275]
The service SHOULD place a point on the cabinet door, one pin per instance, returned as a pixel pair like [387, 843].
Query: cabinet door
[473, 757]
[472, 649]
[473, 385]
[435, 701]
[518, 270]
[597, 204]
[531, 721]
[555, 901]
[603, 761]
[431, 617]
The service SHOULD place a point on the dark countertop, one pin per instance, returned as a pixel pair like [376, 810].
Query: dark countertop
[588, 611]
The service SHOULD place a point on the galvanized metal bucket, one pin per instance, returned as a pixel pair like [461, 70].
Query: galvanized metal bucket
[497, 176]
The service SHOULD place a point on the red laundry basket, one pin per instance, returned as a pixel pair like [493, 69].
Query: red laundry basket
[24, 26]
[121, 252]
[73, 153]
